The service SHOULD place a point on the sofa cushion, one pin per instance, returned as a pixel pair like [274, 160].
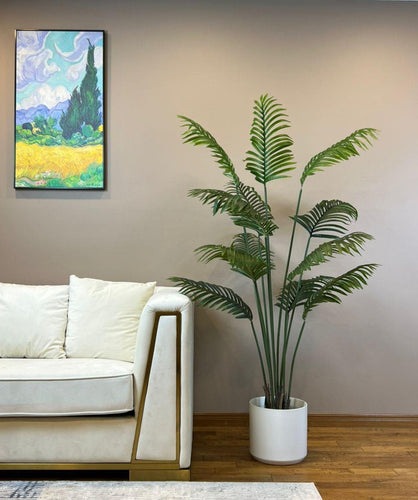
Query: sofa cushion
[33, 319]
[61, 387]
[103, 318]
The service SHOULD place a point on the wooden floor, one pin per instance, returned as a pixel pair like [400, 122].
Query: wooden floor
[348, 457]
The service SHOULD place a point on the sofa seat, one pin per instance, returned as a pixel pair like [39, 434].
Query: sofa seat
[65, 387]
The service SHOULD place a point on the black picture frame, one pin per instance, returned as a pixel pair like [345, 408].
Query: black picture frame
[60, 129]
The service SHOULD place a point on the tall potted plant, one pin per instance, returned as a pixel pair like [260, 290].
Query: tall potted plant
[276, 334]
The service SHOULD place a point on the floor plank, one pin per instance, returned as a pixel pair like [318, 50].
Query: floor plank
[348, 457]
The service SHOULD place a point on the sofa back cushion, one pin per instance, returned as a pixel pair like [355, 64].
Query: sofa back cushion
[33, 319]
[103, 318]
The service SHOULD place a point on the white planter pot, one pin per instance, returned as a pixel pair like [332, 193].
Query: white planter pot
[278, 436]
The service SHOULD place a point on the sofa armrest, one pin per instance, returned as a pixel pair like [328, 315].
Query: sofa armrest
[163, 379]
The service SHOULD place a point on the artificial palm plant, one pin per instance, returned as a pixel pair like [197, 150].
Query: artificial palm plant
[250, 254]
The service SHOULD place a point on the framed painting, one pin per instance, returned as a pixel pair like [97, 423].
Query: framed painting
[59, 125]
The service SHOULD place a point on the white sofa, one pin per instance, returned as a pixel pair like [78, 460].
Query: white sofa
[96, 375]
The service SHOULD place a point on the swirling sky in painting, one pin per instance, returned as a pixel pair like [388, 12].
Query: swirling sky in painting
[50, 64]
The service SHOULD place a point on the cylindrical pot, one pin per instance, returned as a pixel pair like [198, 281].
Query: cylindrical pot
[278, 437]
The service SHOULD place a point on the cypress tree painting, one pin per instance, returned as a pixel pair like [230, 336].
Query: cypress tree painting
[59, 110]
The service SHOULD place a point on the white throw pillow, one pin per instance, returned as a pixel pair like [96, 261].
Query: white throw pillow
[33, 320]
[103, 318]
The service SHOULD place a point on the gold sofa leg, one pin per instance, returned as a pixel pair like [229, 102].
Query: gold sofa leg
[159, 475]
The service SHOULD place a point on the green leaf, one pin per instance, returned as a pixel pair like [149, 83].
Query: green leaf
[252, 244]
[242, 203]
[334, 288]
[195, 134]
[271, 157]
[251, 266]
[253, 221]
[342, 150]
[250, 196]
[214, 296]
[328, 219]
[258, 216]
[296, 293]
[350, 244]
[220, 200]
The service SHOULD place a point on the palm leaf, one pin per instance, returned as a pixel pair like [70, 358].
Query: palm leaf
[214, 296]
[342, 150]
[333, 289]
[251, 266]
[252, 244]
[327, 219]
[243, 207]
[221, 201]
[195, 134]
[296, 293]
[232, 194]
[260, 218]
[350, 244]
[251, 196]
[253, 221]
[271, 157]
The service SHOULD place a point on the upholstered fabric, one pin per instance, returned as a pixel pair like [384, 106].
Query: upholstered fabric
[32, 320]
[162, 376]
[51, 387]
[67, 439]
[103, 318]
[160, 413]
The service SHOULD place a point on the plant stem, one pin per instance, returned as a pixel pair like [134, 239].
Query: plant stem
[260, 356]
[298, 287]
[264, 331]
[270, 299]
[294, 357]
[263, 324]
[263, 287]
[289, 255]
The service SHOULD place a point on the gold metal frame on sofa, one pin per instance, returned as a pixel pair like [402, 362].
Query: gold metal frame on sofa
[139, 470]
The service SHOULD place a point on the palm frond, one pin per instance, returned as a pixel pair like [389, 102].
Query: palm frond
[214, 296]
[253, 221]
[252, 197]
[259, 217]
[271, 157]
[343, 150]
[328, 219]
[221, 200]
[333, 289]
[350, 244]
[195, 134]
[238, 207]
[252, 244]
[296, 293]
[242, 262]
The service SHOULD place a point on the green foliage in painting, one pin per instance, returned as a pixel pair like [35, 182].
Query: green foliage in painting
[54, 137]
[84, 103]
[87, 130]
[90, 93]
[71, 121]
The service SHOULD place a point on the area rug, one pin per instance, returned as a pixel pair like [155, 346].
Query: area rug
[82, 490]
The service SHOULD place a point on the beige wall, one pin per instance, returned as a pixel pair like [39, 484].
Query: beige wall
[336, 66]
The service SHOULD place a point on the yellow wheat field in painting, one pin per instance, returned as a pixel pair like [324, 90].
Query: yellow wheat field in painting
[34, 161]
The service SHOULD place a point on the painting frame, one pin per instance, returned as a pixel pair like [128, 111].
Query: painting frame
[59, 110]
